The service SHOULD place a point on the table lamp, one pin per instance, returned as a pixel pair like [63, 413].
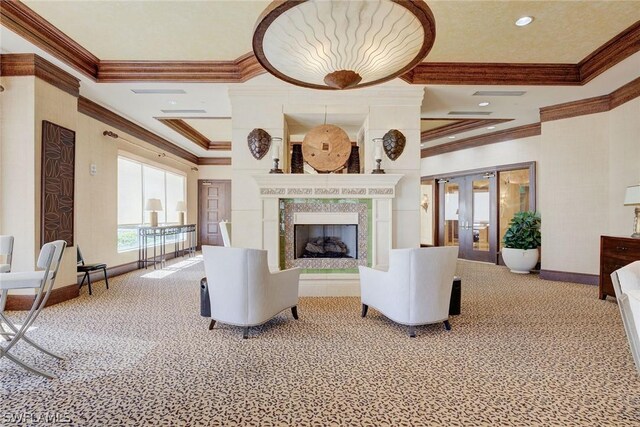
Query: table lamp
[181, 208]
[153, 205]
[632, 198]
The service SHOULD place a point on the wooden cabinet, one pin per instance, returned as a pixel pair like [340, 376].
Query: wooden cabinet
[615, 252]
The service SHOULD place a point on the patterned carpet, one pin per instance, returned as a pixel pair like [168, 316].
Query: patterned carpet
[524, 352]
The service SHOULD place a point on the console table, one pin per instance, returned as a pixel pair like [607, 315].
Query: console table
[615, 252]
[184, 244]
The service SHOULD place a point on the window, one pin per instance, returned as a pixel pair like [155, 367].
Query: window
[138, 182]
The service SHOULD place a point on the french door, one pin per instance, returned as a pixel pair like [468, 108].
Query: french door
[468, 216]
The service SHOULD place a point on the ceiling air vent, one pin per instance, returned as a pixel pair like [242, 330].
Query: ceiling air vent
[183, 111]
[469, 113]
[499, 93]
[158, 91]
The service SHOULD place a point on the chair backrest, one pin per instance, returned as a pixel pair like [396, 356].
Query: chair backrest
[624, 280]
[80, 259]
[225, 230]
[50, 256]
[6, 249]
[232, 276]
[429, 274]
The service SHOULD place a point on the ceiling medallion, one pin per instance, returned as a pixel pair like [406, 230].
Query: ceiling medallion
[343, 44]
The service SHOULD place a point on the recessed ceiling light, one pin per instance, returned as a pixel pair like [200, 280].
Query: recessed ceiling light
[483, 104]
[525, 20]
[452, 137]
[172, 102]
[423, 145]
[491, 127]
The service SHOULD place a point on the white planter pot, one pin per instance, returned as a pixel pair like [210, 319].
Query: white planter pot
[520, 261]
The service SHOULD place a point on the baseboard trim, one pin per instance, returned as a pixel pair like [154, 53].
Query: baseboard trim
[58, 295]
[65, 293]
[567, 276]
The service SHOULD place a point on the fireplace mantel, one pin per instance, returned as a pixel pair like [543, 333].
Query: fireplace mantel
[370, 186]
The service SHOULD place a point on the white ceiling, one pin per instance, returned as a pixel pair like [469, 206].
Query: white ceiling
[438, 100]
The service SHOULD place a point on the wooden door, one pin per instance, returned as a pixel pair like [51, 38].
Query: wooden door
[214, 205]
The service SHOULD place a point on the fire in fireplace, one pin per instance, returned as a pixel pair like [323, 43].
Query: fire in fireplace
[326, 241]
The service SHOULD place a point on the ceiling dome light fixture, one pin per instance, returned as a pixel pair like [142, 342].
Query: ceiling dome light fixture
[525, 20]
[340, 44]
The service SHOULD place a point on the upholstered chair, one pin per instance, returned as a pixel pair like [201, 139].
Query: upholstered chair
[416, 290]
[242, 290]
[626, 285]
[225, 230]
[6, 251]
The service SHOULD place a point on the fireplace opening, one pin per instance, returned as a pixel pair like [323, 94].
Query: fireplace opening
[326, 241]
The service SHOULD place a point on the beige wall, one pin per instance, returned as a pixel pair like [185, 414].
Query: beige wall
[27, 101]
[583, 166]
[97, 197]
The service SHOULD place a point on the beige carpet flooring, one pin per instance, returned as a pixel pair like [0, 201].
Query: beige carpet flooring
[524, 352]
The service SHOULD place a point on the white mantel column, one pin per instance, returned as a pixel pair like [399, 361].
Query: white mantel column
[251, 109]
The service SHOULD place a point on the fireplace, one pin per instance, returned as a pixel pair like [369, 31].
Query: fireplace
[325, 241]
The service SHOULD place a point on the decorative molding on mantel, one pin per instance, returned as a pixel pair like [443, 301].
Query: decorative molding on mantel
[355, 186]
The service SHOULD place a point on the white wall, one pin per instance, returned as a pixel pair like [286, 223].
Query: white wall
[583, 166]
[214, 172]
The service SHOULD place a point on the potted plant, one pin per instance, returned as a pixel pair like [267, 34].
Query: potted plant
[521, 242]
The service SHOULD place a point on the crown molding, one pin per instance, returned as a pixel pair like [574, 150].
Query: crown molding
[462, 125]
[214, 161]
[593, 105]
[108, 117]
[30, 64]
[525, 131]
[25, 22]
[609, 54]
[467, 73]
[189, 132]
[29, 25]
[236, 71]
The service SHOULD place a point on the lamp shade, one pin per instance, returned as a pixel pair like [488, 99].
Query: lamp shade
[632, 196]
[181, 206]
[153, 205]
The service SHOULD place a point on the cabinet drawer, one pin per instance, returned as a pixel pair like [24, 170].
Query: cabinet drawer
[628, 249]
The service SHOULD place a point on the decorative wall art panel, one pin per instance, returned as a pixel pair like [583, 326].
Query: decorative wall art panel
[58, 174]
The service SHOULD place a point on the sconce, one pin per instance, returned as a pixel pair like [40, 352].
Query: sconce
[425, 202]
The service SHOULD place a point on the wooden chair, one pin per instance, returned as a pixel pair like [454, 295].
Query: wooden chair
[87, 269]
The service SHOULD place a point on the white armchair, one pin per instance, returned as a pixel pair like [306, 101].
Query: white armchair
[417, 288]
[626, 284]
[242, 290]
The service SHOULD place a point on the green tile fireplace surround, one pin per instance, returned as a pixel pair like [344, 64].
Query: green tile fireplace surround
[365, 218]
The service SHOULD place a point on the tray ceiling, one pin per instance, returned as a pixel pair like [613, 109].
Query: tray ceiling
[466, 31]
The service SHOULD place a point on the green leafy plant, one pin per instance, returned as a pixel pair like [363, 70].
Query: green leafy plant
[523, 231]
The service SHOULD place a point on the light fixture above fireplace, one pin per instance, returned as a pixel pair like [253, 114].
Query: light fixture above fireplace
[339, 44]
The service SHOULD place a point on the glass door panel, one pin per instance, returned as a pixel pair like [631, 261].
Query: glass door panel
[514, 197]
[451, 214]
[481, 215]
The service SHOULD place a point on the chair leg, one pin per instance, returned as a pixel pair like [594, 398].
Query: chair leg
[212, 324]
[294, 312]
[245, 333]
[89, 282]
[27, 366]
[412, 331]
[447, 325]
[82, 282]
[365, 307]
[106, 279]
